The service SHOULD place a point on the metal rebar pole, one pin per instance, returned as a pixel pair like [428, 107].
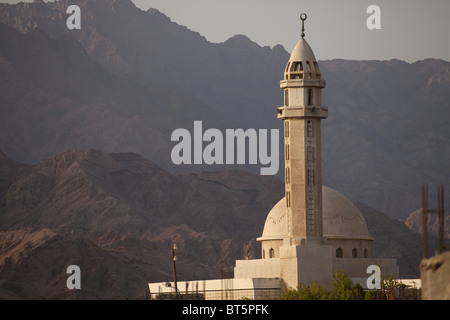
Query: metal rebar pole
[174, 258]
[425, 220]
[441, 218]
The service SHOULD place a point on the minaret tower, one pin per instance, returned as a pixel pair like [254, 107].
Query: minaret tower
[293, 244]
[302, 114]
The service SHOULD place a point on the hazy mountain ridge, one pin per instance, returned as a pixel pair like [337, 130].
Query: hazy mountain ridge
[166, 53]
[386, 133]
[391, 136]
[67, 100]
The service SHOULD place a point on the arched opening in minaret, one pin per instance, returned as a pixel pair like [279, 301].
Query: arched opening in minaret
[354, 253]
[318, 74]
[308, 70]
[339, 253]
[310, 96]
[271, 253]
[294, 70]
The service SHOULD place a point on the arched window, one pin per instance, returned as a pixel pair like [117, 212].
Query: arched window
[264, 254]
[366, 253]
[271, 253]
[354, 253]
[339, 253]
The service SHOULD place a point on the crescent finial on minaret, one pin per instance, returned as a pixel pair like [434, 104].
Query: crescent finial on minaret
[303, 17]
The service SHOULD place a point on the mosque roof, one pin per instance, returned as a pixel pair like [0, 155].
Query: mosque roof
[341, 219]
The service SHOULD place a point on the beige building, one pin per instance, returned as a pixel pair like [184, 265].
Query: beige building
[314, 230]
[435, 276]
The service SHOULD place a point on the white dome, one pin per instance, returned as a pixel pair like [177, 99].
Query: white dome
[341, 219]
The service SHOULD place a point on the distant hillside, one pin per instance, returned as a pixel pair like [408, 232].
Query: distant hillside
[129, 77]
[414, 222]
[387, 132]
[394, 240]
[116, 216]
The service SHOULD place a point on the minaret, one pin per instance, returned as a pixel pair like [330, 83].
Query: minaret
[302, 114]
[293, 246]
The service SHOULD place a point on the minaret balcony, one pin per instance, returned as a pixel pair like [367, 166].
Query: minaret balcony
[300, 83]
[302, 112]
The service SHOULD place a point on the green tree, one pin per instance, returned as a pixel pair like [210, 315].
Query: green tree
[314, 291]
[342, 288]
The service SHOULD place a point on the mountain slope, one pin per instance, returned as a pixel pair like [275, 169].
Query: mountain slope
[414, 222]
[127, 194]
[393, 240]
[386, 134]
[54, 97]
[166, 52]
[117, 215]
[387, 131]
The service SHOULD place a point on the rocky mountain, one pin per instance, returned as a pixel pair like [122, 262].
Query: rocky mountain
[393, 239]
[116, 216]
[113, 87]
[55, 97]
[387, 132]
[414, 222]
[237, 76]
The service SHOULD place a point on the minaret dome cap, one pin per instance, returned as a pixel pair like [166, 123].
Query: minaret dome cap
[302, 63]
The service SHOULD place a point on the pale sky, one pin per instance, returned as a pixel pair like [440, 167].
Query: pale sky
[411, 30]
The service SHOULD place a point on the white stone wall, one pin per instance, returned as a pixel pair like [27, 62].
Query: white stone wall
[357, 267]
[257, 268]
[219, 289]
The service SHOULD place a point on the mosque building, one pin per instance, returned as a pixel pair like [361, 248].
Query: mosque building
[314, 231]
